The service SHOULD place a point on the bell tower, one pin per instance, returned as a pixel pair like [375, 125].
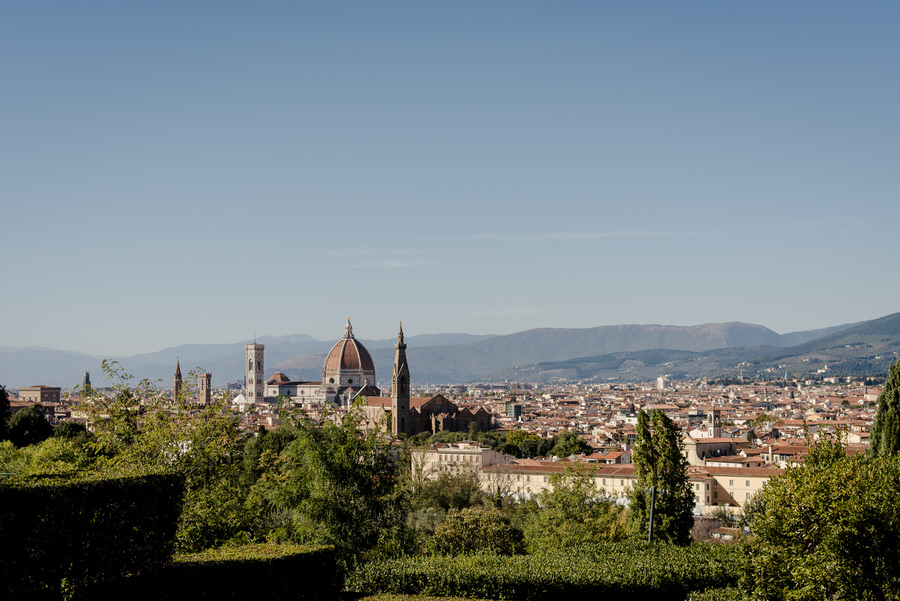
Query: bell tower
[256, 380]
[714, 423]
[400, 389]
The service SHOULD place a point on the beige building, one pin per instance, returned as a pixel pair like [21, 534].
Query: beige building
[465, 456]
[45, 395]
[713, 486]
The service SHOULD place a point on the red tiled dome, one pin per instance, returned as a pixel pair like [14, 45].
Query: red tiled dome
[349, 354]
[279, 378]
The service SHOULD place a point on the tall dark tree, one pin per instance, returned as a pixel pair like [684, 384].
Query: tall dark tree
[4, 411]
[661, 469]
[885, 438]
[29, 426]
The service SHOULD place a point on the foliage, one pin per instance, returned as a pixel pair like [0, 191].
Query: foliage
[478, 530]
[572, 512]
[260, 451]
[52, 457]
[885, 438]
[139, 428]
[28, 426]
[570, 443]
[446, 491]
[73, 431]
[610, 571]
[4, 410]
[829, 529]
[63, 536]
[659, 462]
[334, 485]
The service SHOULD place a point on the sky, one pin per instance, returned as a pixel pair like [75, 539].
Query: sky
[207, 172]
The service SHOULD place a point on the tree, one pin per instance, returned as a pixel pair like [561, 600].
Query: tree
[4, 411]
[571, 512]
[569, 443]
[885, 438]
[140, 428]
[828, 529]
[29, 426]
[479, 530]
[334, 484]
[661, 469]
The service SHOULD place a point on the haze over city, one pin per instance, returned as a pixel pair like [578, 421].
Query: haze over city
[179, 173]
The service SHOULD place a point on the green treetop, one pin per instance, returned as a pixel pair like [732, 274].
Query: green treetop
[660, 463]
[885, 438]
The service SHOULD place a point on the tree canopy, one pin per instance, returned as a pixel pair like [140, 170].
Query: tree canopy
[569, 443]
[828, 529]
[29, 426]
[4, 410]
[885, 438]
[660, 465]
[572, 512]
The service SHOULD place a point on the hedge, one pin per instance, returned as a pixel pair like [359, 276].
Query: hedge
[56, 538]
[256, 571]
[612, 571]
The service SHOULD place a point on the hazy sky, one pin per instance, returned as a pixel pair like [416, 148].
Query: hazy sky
[197, 172]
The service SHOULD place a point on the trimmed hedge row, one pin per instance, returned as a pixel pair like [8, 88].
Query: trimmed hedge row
[258, 571]
[612, 571]
[56, 538]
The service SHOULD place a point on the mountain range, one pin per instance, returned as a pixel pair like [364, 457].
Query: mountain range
[604, 353]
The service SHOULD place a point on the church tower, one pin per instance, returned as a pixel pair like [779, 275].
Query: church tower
[205, 388]
[714, 423]
[256, 380]
[400, 389]
[178, 381]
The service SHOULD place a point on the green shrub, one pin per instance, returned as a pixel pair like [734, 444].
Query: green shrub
[477, 529]
[829, 530]
[59, 537]
[611, 571]
[257, 571]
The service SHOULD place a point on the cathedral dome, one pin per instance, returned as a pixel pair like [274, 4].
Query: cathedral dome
[349, 354]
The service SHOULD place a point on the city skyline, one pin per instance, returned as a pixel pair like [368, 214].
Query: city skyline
[178, 173]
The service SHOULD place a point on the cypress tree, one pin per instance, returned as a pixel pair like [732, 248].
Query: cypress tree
[660, 463]
[885, 439]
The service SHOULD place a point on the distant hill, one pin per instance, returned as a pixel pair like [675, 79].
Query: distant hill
[446, 358]
[867, 348]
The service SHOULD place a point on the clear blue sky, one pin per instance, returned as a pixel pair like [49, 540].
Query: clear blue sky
[195, 172]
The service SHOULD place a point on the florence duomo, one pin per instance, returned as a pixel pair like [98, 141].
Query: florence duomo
[348, 374]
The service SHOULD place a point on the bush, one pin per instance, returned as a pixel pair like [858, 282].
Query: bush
[63, 536]
[612, 571]
[829, 529]
[478, 530]
[257, 571]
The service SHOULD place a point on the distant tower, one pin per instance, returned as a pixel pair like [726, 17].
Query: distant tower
[205, 389]
[177, 396]
[86, 384]
[714, 423]
[400, 388]
[256, 382]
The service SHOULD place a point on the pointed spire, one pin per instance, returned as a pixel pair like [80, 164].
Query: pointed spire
[348, 329]
[400, 334]
[177, 368]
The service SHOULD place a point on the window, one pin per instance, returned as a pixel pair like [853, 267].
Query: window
[748, 484]
[747, 498]
[731, 483]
